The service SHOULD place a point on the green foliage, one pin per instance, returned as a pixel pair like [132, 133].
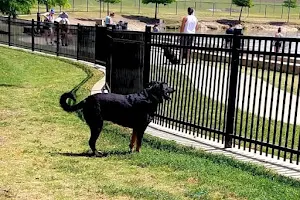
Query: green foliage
[111, 1]
[243, 3]
[12, 7]
[63, 3]
[158, 1]
[52, 3]
[290, 3]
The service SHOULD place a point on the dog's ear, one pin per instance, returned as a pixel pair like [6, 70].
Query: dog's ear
[152, 83]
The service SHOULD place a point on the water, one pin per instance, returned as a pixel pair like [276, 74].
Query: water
[267, 33]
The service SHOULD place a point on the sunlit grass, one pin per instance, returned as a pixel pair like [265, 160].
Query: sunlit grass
[43, 149]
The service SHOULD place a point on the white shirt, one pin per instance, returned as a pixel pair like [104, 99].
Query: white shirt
[190, 24]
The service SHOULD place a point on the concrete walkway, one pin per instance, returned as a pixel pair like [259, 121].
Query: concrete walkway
[279, 166]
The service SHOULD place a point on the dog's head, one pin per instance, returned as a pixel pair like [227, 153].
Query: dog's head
[159, 91]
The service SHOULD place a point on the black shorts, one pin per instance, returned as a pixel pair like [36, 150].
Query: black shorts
[277, 44]
[186, 41]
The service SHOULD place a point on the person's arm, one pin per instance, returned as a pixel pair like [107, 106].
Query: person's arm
[183, 25]
[46, 14]
[197, 26]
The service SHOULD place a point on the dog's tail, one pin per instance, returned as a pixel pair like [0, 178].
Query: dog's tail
[66, 106]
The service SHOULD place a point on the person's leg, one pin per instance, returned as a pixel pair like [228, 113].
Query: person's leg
[189, 43]
[46, 34]
[51, 35]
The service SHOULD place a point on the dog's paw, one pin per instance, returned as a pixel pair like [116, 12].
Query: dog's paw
[97, 154]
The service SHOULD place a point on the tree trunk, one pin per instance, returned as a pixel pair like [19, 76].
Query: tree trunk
[107, 9]
[156, 10]
[241, 14]
[289, 12]
[47, 7]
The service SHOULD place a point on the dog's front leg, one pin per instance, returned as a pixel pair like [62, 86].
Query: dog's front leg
[133, 140]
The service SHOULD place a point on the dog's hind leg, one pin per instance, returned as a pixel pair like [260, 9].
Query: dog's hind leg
[139, 137]
[95, 132]
[132, 140]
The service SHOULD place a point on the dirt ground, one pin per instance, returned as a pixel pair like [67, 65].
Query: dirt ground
[138, 23]
[133, 24]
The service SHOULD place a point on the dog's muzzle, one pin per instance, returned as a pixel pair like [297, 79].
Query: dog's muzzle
[167, 93]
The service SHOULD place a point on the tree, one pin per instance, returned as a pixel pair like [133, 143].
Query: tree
[242, 4]
[290, 4]
[165, 2]
[108, 2]
[12, 7]
[63, 3]
[52, 3]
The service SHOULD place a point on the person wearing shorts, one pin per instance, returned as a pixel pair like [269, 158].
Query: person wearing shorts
[189, 25]
[48, 26]
[277, 44]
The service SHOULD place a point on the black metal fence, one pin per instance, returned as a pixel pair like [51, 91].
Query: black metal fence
[267, 9]
[238, 90]
[76, 42]
[242, 91]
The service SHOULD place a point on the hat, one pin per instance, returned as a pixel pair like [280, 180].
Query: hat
[52, 11]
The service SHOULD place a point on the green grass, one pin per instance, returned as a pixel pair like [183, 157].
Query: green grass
[277, 81]
[261, 9]
[42, 148]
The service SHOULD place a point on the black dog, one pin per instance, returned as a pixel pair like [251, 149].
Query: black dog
[170, 55]
[135, 111]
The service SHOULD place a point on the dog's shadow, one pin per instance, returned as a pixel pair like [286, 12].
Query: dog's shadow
[89, 154]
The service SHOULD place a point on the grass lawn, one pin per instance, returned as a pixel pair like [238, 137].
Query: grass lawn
[42, 148]
[261, 9]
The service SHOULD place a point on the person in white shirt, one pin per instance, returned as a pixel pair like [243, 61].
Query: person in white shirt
[109, 19]
[189, 25]
[48, 26]
[277, 44]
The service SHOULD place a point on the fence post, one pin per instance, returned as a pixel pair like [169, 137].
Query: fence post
[57, 38]
[265, 11]
[38, 23]
[232, 88]
[147, 53]
[281, 11]
[139, 6]
[121, 6]
[100, 7]
[32, 34]
[176, 8]
[213, 9]
[9, 30]
[248, 12]
[87, 5]
[78, 40]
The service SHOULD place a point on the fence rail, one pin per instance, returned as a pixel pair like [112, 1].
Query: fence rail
[274, 9]
[239, 90]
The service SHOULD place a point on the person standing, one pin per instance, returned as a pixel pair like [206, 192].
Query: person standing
[48, 26]
[278, 43]
[109, 19]
[189, 25]
[228, 41]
